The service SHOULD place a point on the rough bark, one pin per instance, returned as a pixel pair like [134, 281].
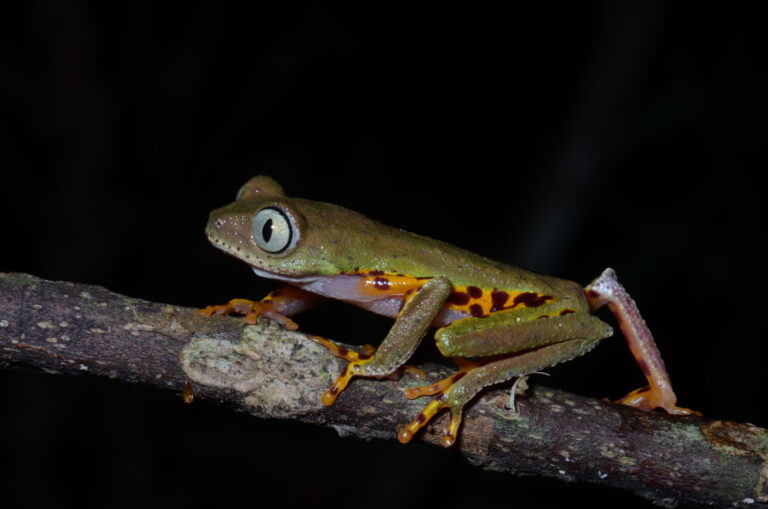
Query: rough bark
[267, 371]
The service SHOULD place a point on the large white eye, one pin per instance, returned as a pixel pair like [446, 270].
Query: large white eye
[272, 230]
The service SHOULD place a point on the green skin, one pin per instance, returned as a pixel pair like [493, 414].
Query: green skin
[330, 241]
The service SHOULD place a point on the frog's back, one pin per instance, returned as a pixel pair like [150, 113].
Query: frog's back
[358, 243]
[465, 268]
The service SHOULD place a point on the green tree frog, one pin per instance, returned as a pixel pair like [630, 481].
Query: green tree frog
[496, 321]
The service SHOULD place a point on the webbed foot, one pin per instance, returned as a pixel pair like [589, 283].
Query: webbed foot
[646, 398]
[442, 401]
[252, 310]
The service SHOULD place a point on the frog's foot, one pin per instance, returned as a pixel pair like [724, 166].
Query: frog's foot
[406, 368]
[464, 365]
[187, 393]
[353, 369]
[342, 352]
[356, 361]
[252, 310]
[646, 398]
[435, 388]
[434, 406]
[356, 367]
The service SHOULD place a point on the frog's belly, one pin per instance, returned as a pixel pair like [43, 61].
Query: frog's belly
[348, 288]
[391, 307]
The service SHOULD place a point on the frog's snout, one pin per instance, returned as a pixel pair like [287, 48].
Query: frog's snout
[228, 232]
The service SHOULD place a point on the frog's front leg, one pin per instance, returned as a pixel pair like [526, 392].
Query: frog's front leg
[419, 310]
[278, 306]
[606, 289]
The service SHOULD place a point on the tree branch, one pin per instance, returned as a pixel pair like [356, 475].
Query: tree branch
[71, 329]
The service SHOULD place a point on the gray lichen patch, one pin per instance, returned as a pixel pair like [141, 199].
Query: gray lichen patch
[279, 373]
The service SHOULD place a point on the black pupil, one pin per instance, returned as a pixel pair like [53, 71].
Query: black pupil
[266, 230]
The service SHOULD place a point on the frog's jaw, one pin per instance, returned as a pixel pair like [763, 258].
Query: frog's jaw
[231, 233]
[300, 281]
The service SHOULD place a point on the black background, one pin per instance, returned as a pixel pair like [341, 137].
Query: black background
[559, 138]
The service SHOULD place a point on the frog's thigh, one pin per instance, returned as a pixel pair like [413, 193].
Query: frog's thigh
[504, 369]
[464, 389]
[411, 324]
[513, 331]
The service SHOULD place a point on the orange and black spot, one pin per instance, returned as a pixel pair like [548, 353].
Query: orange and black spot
[474, 292]
[498, 300]
[478, 302]
[531, 300]
[381, 283]
[458, 298]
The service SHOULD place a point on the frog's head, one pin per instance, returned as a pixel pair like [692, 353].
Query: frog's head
[269, 231]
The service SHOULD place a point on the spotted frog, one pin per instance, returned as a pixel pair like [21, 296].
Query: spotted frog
[496, 321]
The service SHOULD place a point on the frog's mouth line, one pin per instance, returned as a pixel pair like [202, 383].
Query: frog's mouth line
[258, 267]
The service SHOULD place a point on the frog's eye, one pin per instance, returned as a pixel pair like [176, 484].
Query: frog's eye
[273, 230]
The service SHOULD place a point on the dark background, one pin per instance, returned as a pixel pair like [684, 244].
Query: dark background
[561, 139]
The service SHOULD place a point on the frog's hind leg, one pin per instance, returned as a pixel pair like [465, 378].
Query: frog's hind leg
[606, 290]
[464, 365]
[465, 387]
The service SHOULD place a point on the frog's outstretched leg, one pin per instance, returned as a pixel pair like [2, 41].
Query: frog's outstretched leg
[278, 306]
[464, 389]
[419, 310]
[606, 289]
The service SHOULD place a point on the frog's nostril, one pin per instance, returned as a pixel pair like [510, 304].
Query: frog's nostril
[218, 223]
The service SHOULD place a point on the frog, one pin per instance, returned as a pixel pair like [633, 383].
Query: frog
[495, 321]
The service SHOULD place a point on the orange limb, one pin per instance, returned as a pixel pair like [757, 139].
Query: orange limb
[406, 434]
[353, 368]
[440, 402]
[252, 310]
[438, 387]
[355, 359]
[342, 352]
[187, 394]
[647, 399]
